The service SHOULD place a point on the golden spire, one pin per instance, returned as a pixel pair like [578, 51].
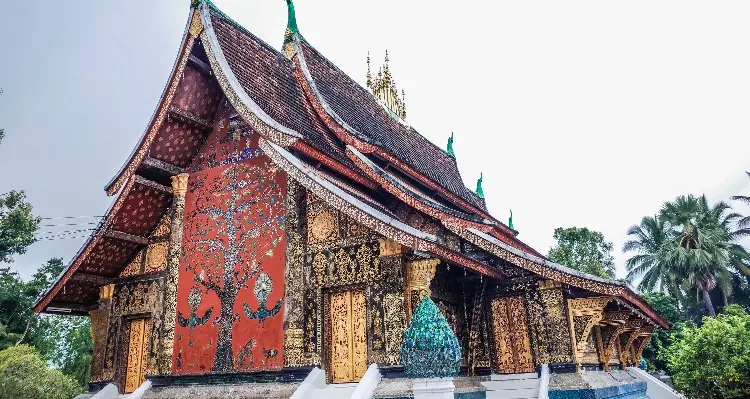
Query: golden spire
[384, 88]
[369, 75]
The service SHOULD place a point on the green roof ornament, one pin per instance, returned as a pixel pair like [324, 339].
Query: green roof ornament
[430, 348]
[291, 23]
[510, 220]
[196, 3]
[480, 192]
[450, 147]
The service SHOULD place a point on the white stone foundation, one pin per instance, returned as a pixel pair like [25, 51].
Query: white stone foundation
[433, 388]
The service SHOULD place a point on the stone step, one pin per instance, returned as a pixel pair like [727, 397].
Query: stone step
[512, 384]
[524, 393]
[520, 376]
[334, 391]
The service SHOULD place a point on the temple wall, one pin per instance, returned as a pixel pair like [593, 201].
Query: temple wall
[548, 324]
[329, 252]
[230, 287]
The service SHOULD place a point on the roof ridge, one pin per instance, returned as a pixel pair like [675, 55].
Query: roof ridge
[409, 127]
[244, 30]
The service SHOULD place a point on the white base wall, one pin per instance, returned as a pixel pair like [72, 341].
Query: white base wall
[433, 388]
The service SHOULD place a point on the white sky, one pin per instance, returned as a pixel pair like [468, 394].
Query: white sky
[579, 113]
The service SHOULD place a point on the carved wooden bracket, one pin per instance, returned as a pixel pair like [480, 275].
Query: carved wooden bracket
[584, 314]
[632, 328]
[613, 324]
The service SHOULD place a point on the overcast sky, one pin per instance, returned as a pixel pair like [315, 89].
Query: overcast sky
[579, 113]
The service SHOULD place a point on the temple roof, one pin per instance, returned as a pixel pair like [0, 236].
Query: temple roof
[308, 113]
[361, 114]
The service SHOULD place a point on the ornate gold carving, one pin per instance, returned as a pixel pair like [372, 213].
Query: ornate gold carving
[196, 25]
[395, 324]
[348, 336]
[557, 329]
[180, 184]
[105, 292]
[156, 257]
[389, 247]
[384, 89]
[419, 274]
[511, 336]
[584, 314]
[137, 358]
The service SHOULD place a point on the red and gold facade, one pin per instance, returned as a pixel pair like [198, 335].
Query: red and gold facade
[275, 217]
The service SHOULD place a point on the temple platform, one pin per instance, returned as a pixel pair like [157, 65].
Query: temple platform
[619, 384]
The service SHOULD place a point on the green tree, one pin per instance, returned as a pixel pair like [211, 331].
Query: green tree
[23, 374]
[17, 225]
[585, 250]
[704, 251]
[650, 241]
[713, 360]
[666, 306]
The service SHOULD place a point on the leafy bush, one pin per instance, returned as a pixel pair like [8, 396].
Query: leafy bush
[712, 361]
[23, 374]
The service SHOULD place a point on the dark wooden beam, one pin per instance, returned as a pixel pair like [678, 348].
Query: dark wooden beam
[126, 237]
[163, 167]
[150, 183]
[199, 64]
[94, 279]
[186, 117]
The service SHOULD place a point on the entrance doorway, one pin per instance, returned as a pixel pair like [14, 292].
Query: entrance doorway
[511, 336]
[348, 343]
[138, 338]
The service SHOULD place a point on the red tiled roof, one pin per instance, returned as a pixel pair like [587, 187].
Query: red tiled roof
[267, 77]
[360, 110]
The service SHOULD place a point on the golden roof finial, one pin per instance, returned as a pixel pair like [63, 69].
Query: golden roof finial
[369, 74]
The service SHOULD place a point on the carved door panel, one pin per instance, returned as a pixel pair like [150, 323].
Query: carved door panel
[140, 330]
[511, 336]
[348, 336]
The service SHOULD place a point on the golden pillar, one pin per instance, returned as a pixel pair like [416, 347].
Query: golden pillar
[169, 314]
[419, 274]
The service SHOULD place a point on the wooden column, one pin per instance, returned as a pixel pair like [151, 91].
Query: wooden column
[179, 188]
[419, 273]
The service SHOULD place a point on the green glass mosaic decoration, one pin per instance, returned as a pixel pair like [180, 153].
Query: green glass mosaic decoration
[430, 348]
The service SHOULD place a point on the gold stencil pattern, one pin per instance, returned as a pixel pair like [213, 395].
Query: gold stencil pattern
[511, 336]
[140, 329]
[348, 336]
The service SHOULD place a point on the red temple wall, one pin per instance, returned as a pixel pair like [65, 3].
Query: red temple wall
[231, 280]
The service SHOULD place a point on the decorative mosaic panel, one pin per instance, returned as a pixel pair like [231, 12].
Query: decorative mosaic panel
[344, 265]
[231, 279]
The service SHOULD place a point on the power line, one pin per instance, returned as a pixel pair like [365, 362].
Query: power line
[60, 238]
[72, 217]
[48, 234]
[68, 224]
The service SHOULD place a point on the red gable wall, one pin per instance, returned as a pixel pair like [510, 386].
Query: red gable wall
[231, 281]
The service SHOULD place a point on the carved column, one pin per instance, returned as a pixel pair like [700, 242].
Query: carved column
[179, 188]
[419, 273]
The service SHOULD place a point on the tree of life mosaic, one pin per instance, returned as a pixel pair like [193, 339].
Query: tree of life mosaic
[231, 288]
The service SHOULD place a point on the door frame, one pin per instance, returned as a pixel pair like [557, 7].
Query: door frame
[326, 353]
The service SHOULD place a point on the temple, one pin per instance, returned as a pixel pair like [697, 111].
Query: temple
[276, 216]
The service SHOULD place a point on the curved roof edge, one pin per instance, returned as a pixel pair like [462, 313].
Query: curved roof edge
[136, 156]
[233, 90]
[398, 189]
[45, 298]
[558, 272]
[365, 214]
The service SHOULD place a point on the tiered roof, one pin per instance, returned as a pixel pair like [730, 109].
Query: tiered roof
[328, 132]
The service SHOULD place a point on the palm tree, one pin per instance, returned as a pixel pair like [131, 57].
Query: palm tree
[651, 242]
[704, 249]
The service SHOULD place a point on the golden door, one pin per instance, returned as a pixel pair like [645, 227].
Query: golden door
[140, 330]
[511, 336]
[348, 336]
